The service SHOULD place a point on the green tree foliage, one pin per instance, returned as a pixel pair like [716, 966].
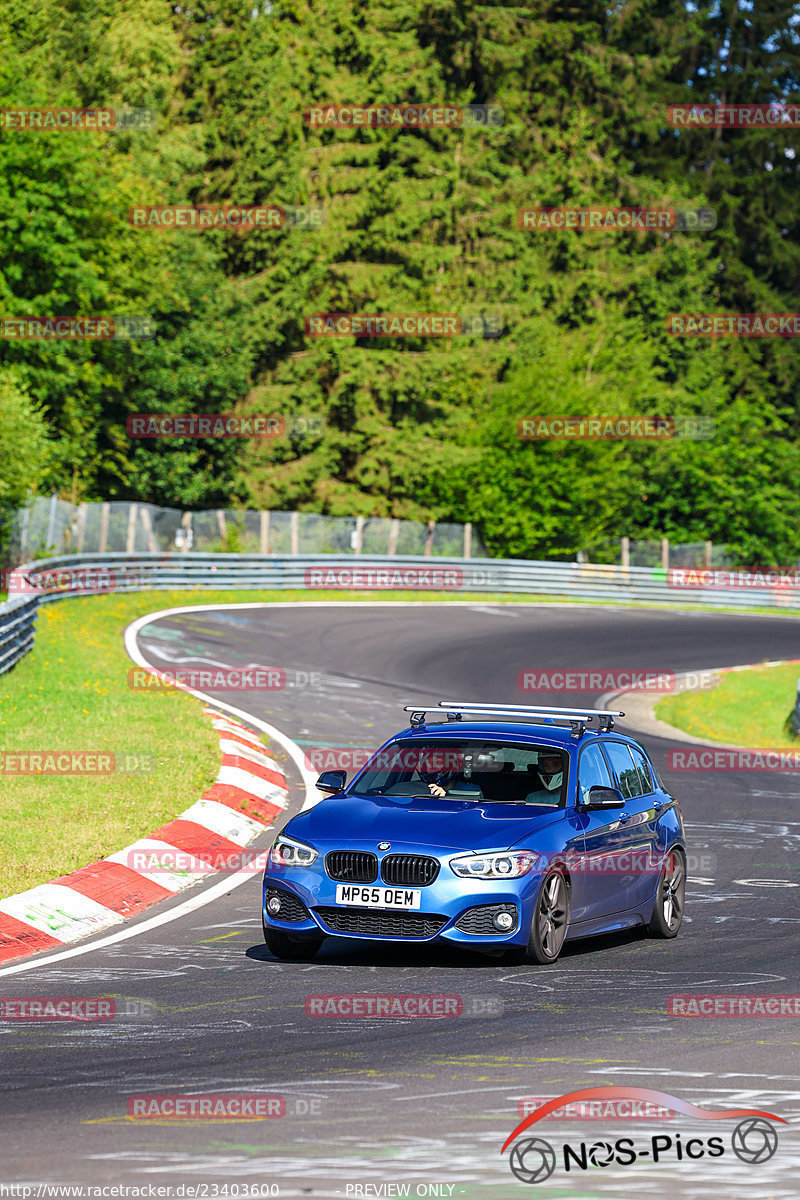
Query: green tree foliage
[415, 221]
[24, 447]
[68, 249]
[23, 440]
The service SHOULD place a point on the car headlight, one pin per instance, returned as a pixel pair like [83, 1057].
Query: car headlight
[286, 852]
[508, 865]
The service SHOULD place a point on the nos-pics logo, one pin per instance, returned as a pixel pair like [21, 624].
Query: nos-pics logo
[533, 1160]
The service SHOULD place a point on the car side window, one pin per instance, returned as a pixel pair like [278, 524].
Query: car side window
[624, 768]
[658, 782]
[643, 767]
[592, 771]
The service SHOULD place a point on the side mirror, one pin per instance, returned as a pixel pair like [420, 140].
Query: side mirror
[602, 797]
[332, 781]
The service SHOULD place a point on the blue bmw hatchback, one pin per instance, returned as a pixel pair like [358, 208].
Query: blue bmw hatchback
[498, 828]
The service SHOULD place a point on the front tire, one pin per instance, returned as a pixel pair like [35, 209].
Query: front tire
[670, 897]
[549, 925]
[283, 945]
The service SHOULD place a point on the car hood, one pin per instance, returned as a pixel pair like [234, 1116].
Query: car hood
[441, 825]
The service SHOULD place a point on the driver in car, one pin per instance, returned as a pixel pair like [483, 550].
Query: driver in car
[456, 783]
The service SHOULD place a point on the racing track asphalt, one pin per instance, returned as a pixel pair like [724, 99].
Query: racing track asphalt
[427, 1102]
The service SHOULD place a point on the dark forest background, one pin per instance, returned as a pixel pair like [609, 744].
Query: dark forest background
[415, 221]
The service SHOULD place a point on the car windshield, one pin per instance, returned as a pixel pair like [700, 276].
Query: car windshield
[500, 772]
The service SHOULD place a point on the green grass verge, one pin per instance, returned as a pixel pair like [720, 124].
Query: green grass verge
[747, 708]
[71, 693]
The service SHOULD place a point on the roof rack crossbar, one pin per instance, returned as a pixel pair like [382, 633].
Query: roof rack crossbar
[548, 710]
[576, 717]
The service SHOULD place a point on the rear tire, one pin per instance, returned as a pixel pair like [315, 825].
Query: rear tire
[670, 897]
[283, 945]
[549, 924]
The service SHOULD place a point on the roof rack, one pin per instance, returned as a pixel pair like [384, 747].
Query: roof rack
[577, 717]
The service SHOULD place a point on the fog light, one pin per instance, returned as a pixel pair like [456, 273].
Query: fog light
[273, 906]
[504, 920]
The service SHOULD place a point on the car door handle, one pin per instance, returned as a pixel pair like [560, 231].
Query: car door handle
[623, 816]
[658, 805]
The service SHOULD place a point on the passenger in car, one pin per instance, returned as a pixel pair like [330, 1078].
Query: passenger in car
[551, 773]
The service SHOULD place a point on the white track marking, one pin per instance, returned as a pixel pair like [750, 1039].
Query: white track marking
[767, 883]
[135, 653]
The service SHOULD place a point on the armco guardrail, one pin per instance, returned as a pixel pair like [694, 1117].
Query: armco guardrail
[92, 574]
[86, 574]
[17, 619]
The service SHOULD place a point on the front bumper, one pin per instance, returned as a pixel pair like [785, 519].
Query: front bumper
[452, 910]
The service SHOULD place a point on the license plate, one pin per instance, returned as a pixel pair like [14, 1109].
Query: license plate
[377, 897]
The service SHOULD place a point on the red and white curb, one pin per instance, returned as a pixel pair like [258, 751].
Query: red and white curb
[249, 792]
